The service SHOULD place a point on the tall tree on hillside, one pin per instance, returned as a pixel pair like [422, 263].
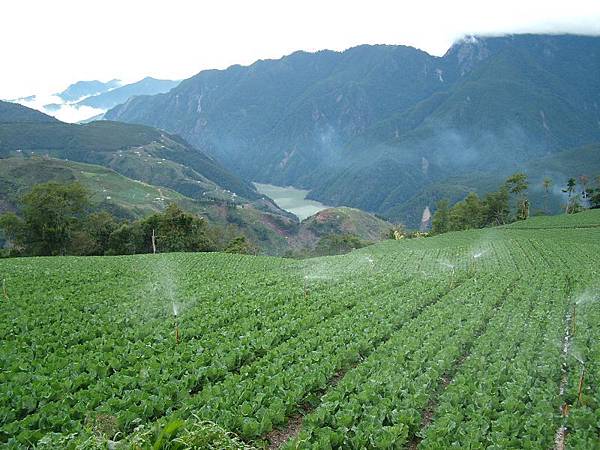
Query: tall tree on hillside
[178, 231]
[466, 214]
[51, 212]
[547, 183]
[14, 232]
[595, 194]
[584, 181]
[496, 208]
[92, 237]
[570, 190]
[517, 184]
[439, 223]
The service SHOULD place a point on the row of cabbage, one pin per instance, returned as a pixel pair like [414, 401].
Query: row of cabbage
[262, 338]
[95, 336]
[379, 404]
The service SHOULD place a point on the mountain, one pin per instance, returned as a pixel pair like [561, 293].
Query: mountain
[132, 170]
[260, 221]
[146, 86]
[136, 151]
[122, 195]
[375, 127]
[86, 88]
[340, 221]
[15, 113]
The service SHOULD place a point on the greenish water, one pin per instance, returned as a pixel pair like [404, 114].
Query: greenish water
[291, 199]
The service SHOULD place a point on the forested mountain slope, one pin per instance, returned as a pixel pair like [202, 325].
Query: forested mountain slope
[374, 126]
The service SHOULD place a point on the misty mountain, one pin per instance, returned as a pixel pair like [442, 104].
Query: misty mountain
[133, 170]
[374, 126]
[139, 152]
[146, 86]
[86, 88]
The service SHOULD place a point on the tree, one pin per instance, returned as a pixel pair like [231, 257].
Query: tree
[496, 208]
[594, 194]
[15, 234]
[441, 217]
[177, 231]
[126, 239]
[241, 245]
[517, 184]
[570, 189]
[51, 212]
[334, 244]
[94, 234]
[583, 181]
[547, 184]
[466, 214]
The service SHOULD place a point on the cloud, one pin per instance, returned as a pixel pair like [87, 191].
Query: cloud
[64, 41]
[63, 111]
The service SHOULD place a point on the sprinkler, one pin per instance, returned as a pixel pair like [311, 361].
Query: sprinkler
[175, 315]
[580, 387]
[4, 289]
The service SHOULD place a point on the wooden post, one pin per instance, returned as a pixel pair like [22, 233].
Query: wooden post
[580, 388]
[153, 242]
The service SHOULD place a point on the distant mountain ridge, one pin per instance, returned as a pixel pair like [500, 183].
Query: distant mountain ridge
[113, 97]
[85, 101]
[82, 89]
[375, 127]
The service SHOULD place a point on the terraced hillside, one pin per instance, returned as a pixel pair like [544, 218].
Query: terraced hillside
[476, 339]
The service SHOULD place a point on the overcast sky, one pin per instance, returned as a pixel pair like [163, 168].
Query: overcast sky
[47, 44]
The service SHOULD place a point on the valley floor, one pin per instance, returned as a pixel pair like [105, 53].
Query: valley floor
[475, 339]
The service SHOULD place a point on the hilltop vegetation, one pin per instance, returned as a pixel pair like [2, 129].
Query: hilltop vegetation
[381, 128]
[466, 339]
[267, 229]
[108, 189]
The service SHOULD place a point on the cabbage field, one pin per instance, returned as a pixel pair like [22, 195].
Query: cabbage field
[478, 339]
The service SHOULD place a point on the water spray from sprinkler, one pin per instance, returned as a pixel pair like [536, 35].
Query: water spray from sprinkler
[478, 254]
[305, 287]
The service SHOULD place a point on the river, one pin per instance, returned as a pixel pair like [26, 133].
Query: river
[291, 199]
